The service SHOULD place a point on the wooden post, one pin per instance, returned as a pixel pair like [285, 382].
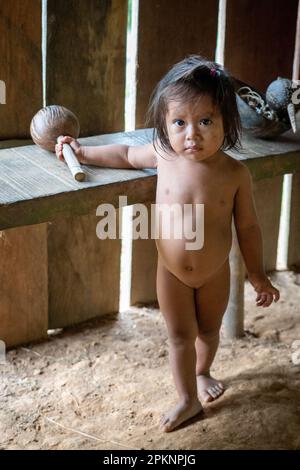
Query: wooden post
[23, 251]
[293, 258]
[23, 285]
[250, 28]
[233, 322]
[168, 31]
[20, 66]
[269, 219]
[86, 58]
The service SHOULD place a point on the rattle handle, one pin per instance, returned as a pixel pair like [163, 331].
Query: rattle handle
[72, 162]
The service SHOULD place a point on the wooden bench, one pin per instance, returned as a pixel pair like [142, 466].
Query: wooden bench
[55, 272]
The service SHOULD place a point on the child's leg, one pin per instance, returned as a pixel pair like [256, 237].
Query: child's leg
[211, 301]
[177, 303]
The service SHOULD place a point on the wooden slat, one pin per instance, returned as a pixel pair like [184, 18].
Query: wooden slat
[293, 260]
[86, 46]
[20, 65]
[269, 219]
[23, 285]
[169, 30]
[143, 268]
[62, 196]
[84, 272]
[259, 41]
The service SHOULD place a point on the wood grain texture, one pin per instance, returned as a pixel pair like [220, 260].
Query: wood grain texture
[35, 187]
[86, 48]
[260, 40]
[23, 285]
[20, 65]
[169, 30]
[84, 272]
[268, 213]
[293, 260]
[143, 267]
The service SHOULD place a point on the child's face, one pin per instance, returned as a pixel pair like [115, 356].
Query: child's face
[195, 128]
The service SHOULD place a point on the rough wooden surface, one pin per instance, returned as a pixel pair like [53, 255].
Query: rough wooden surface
[169, 30]
[20, 65]
[260, 39]
[144, 264]
[86, 58]
[84, 271]
[293, 261]
[268, 213]
[35, 187]
[23, 285]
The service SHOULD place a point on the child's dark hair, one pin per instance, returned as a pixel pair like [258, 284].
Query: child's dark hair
[195, 76]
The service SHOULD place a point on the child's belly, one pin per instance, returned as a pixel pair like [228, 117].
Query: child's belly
[195, 267]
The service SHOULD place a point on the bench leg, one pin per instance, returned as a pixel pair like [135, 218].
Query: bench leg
[23, 284]
[84, 271]
[233, 322]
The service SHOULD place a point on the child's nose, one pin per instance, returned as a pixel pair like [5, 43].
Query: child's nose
[192, 132]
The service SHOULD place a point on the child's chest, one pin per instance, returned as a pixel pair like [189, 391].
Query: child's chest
[215, 189]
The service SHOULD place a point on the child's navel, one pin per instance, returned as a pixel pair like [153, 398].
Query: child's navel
[189, 268]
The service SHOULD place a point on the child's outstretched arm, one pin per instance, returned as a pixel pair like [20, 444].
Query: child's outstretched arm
[250, 240]
[112, 156]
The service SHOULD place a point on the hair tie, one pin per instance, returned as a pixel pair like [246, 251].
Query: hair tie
[214, 72]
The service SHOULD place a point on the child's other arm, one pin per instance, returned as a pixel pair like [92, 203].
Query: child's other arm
[112, 156]
[250, 240]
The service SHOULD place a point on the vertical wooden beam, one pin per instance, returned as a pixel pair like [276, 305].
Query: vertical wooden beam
[233, 321]
[250, 29]
[293, 257]
[259, 43]
[143, 268]
[269, 218]
[86, 60]
[23, 285]
[84, 272]
[20, 65]
[293, 261]
[168, 31]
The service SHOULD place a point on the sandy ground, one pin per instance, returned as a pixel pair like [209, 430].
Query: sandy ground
[110, 380]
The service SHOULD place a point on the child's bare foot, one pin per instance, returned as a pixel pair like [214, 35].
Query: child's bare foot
[180, 413]
[209, 389]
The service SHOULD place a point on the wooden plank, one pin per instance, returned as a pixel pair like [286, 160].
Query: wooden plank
[20, 65]
[23, 285]
[293, 260]
[90, 80]
[268, 213]
[84, 271]
[259, 41]
[169, 30]
[143, 268]
[61, 196]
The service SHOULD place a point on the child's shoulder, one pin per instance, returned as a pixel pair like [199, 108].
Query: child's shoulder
[235, 165]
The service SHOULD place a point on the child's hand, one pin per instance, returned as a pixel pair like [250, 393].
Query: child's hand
[76, 147]
[266, 292]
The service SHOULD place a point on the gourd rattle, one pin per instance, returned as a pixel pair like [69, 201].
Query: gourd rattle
[47, 128]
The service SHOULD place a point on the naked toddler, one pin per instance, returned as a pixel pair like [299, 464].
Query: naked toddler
[195, 118]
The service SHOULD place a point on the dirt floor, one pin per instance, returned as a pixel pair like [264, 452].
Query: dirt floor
[105, 384]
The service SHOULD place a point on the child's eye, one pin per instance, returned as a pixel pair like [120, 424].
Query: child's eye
[206, 122]
[179, 122]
